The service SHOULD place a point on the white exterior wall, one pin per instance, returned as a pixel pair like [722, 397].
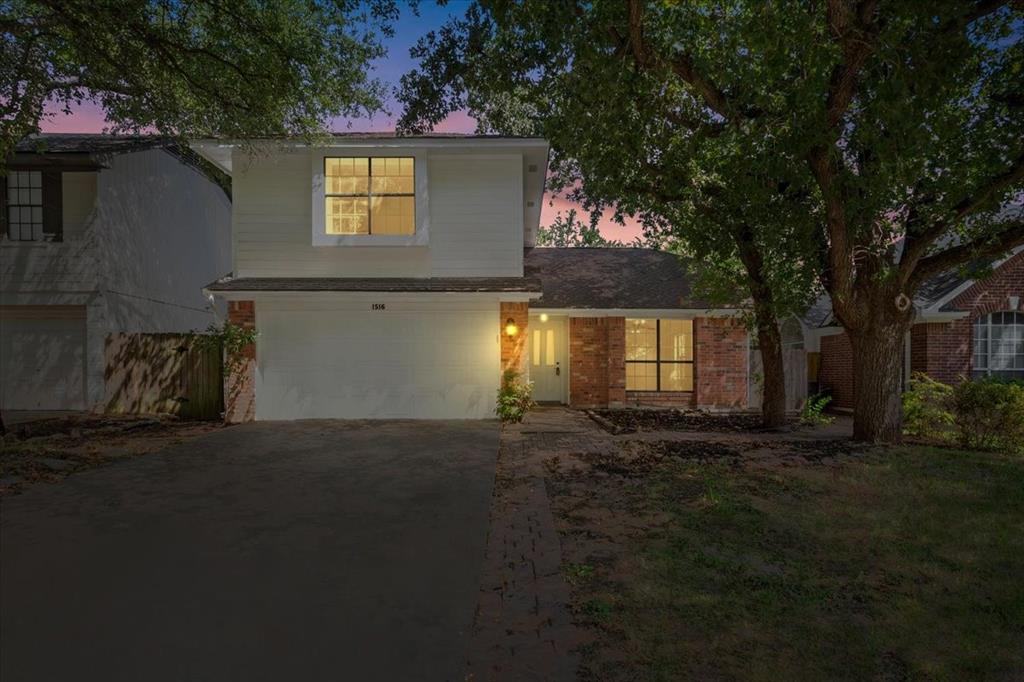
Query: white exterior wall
[165, 235]
[474, 206]
[141, 239]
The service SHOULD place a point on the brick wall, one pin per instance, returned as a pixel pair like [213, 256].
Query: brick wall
[597, 368]
[239, 386]
[943, 350]
[589, 361]
[513, 348]
[835, 373]
[720, 362]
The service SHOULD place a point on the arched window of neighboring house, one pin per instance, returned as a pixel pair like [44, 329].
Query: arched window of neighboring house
[999, 345]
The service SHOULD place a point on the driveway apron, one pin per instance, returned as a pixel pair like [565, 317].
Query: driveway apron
[317, 550]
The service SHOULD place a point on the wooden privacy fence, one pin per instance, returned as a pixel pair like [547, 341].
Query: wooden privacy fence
[163, 373]
[794, 365]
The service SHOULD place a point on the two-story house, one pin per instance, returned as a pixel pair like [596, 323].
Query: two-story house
[397, 277]
[100, 235]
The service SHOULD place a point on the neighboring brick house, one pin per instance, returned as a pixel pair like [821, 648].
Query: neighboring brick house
[411, 282]
[963, 328]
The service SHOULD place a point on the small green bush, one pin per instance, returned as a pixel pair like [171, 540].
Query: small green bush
[813, 412]
[514, 398]
[926, 407]
[989, 415]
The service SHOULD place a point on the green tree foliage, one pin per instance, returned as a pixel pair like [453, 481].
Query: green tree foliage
[568, 230]
[628, 134]
[226, 68]
[865, 144]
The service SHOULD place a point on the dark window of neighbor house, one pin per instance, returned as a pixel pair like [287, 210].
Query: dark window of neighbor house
[659, 355]
[999, 345]
[364, 195]
[31, 206]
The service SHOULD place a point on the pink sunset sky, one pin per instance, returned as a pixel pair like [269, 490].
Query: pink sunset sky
[89, 118]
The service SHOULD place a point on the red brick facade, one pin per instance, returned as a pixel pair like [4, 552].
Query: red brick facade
[943, 350]
[239, 386]
[721, 358]
[835, 374]
[597, 367]
[513, 348]
[597, 361]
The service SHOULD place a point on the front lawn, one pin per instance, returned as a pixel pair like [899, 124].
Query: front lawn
[686, 562]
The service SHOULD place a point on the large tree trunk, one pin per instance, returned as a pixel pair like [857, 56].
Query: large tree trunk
[773, 398]
[769, 340]
[877, 379]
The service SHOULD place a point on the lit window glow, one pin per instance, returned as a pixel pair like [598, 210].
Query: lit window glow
[365, 195]
[659, 355]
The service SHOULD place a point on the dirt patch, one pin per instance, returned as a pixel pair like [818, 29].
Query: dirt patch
[611, 506]
[47, 451]
[633, 420]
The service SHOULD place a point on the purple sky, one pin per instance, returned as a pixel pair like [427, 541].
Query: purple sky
[90, 118]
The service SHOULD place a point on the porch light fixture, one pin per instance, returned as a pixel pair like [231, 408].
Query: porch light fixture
[510, 327]
[543, 317]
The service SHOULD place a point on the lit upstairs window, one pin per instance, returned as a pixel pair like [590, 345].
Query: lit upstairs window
[369, 195]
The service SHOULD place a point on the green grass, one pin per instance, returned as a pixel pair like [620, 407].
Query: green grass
[905, 565]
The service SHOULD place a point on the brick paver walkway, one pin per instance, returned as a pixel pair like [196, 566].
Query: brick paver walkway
[523, 629]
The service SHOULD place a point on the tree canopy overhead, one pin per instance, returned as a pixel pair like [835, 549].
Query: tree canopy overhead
[878, 142]
[225, 68]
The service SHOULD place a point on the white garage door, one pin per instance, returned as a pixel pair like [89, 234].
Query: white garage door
[412, 360]
[42, 357]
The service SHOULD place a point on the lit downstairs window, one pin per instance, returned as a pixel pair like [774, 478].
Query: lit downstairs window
[659, 355]
[370, 195]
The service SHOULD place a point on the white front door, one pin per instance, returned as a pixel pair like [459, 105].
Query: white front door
[549, 351]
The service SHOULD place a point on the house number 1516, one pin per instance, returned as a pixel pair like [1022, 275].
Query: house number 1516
[378, 306]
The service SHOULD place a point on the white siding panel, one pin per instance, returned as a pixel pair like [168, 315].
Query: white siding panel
[475, 204]
[164, 232]
[78, 193]
[272, 230]
[476, 214]
[412, 360]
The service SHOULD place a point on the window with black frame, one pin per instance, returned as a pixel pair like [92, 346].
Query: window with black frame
[659, 355]
[31, 205]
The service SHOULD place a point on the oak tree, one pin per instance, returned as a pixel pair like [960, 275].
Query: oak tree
[224, 68]
[872, 143]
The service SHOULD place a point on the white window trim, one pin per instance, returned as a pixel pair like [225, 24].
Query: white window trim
[988, 370]
[421, 237]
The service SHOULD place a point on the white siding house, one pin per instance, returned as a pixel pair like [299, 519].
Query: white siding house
[141, 230]
[396, 277]
[375, 269]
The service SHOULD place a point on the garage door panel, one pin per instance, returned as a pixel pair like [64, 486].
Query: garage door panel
[353, 364]
[42, 360]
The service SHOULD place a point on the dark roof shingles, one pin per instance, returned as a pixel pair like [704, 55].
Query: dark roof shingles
[610, 278]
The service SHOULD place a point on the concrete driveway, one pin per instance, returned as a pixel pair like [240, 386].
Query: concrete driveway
[315, 550]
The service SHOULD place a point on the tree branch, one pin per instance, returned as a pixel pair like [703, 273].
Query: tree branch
[682, 65]
[918, 244]
[1011, 235]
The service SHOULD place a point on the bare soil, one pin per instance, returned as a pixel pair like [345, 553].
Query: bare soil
[785, 556]
[47, 451]
[633, 420]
